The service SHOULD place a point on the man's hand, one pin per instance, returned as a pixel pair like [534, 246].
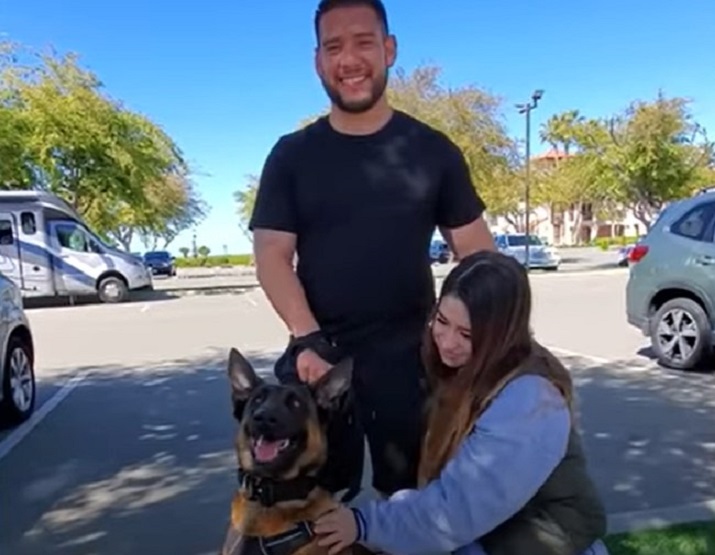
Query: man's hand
[310, 366]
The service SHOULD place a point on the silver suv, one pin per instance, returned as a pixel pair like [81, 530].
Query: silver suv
[17, 355]
[670, 294]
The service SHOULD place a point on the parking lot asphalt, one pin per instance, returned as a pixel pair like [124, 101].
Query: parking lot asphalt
[136, 458]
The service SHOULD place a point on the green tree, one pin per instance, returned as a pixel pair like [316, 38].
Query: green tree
[245, 198]
[204, 251]
[640, 159]
[121, 171]
[175, 206]
[184, 251]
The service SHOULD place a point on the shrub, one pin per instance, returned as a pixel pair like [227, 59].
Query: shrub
[215, 261]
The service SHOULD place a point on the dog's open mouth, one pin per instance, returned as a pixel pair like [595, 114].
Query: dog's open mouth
[266, 451]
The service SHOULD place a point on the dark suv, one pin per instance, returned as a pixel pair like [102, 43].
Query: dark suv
[160, 263]
[670, 294]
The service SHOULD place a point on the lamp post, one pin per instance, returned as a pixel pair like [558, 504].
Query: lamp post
[526, 109]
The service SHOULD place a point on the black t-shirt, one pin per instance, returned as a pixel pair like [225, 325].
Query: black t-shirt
[364, 209]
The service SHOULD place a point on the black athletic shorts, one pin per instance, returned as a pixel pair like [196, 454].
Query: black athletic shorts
[390, 397]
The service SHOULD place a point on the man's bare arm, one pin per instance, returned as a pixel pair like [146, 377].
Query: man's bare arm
[274, 252]
[470, 238]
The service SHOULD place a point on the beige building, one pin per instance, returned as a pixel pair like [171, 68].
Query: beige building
[573, 225]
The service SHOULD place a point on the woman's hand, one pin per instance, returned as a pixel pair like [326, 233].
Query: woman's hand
[337, 529]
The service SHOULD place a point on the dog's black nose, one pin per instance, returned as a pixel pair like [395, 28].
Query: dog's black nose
[264, 418]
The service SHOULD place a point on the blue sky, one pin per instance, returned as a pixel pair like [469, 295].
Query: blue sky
[227, 77]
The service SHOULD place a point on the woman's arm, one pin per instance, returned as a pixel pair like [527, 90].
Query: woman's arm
[515, 446]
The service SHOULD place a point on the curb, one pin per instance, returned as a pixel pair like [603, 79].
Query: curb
[187, 289]
[207, 290]
[653, 519]
[437, 270]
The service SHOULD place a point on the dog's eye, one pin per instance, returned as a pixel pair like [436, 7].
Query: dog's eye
[293, 401]
[258, 399]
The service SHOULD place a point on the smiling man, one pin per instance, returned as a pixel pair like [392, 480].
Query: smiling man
[357, 196]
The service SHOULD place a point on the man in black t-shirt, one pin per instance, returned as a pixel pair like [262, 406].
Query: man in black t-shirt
[357, 196]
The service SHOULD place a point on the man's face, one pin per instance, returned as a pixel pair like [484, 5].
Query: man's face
[353, 57]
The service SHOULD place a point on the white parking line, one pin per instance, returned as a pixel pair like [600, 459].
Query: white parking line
[634, 364]
[579, 273]
[591, 358]
[21, 432]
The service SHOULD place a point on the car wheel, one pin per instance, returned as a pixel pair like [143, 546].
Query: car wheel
[680, 334]
[18, 383]
[112, 289]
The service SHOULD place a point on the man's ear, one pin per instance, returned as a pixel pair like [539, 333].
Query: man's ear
[334, 383]
[390, 51]
[242, 377]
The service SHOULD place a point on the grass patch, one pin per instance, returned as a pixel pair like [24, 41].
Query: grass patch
[697, 538]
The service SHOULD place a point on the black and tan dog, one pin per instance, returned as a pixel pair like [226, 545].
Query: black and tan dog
[281, 447]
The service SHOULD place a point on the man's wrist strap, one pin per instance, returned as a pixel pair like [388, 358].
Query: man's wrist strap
[315, 341]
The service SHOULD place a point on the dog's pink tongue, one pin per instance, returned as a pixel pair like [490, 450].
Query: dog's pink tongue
[266, 451]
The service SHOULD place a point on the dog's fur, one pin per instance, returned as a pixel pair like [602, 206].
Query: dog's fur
[294, 411]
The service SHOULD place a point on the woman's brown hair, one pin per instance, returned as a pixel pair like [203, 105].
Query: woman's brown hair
[496, 293]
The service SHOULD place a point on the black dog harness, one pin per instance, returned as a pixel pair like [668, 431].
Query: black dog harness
[269, 492]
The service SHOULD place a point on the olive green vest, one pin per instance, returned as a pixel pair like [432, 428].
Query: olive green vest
[565, 517]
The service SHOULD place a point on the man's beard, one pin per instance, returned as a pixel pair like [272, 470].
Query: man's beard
[357, 107]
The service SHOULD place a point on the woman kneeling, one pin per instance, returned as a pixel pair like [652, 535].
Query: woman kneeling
[502, 471]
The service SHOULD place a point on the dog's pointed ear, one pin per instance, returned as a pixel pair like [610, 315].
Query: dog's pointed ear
[334, 383]
[242, 376]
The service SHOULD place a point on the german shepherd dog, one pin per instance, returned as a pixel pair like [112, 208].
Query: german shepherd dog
[281, 447]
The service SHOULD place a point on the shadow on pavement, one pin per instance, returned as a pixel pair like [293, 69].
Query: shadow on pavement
[135, 460]
[648, 433]
[140, 460]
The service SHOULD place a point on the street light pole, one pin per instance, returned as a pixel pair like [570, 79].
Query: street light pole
[526, 109]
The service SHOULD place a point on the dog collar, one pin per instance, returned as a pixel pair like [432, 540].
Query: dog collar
[268, 492]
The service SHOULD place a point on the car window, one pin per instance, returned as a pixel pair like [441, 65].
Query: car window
[6, 233]
[27, 221]
[72, 237]
[520, 240]
[695, 223]
[158, 255]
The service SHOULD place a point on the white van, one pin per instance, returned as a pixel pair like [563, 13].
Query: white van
[47, 250]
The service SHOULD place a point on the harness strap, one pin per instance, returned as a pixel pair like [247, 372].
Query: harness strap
[287, 542]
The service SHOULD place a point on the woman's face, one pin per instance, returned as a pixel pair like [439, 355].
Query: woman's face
[451, 331]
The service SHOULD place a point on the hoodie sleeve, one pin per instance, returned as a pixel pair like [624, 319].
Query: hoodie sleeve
[513, 448]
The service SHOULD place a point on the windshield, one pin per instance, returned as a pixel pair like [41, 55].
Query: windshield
[520, 240]
[157, 255]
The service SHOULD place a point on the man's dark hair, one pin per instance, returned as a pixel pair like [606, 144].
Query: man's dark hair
[326, 5]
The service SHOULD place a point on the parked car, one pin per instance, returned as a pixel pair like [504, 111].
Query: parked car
[160, 263]
[17, 356]
[439, 251]
[670, 295]
[47, 250]
[624, 253]
[541, 255]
